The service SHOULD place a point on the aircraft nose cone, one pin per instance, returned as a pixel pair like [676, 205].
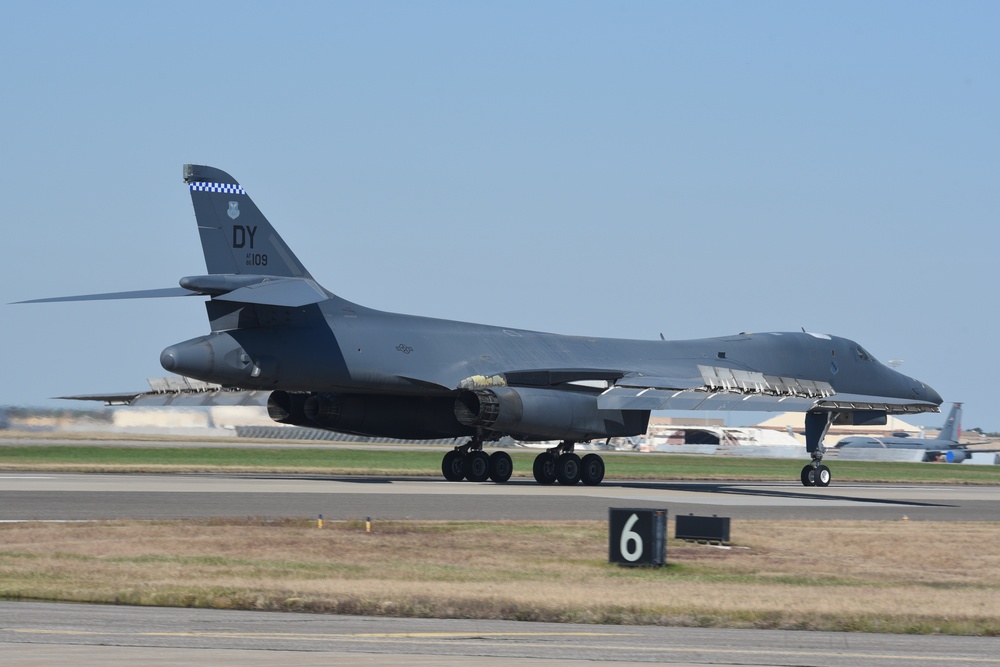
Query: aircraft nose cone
[932, 395]
[924, 392]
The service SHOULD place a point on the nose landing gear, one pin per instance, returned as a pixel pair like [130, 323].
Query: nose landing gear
[816, 476]
[815, 473]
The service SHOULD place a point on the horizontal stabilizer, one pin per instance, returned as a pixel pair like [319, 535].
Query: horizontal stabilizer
[260, 290]
[289, 292]
[110, 296]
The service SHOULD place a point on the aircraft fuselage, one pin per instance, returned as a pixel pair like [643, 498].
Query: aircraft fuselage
[339, 346]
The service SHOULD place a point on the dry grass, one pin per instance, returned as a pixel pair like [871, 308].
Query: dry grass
[870, 576]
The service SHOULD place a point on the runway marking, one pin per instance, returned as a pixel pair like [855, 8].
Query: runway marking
[51, 520]
[335, 635]
[433, 638]
[24, 477]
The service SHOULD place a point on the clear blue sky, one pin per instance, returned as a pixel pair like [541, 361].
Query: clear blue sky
[611, 169]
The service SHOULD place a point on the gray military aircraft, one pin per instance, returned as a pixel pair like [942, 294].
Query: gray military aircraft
[945, 445]
[333, 364]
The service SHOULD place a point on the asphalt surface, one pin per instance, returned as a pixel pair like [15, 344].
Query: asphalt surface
[66, 496]
[98, 635]
[48, 634]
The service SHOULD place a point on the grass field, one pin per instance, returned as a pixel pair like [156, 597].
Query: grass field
[339, 460]
[900, 577]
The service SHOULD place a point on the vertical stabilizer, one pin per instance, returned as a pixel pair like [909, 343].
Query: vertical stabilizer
[952, 429]
[235, 236]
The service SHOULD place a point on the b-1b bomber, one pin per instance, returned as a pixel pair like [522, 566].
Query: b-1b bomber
[325, 362]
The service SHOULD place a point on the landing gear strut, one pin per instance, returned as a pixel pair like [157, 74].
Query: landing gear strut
[470, 462]
[815, 473]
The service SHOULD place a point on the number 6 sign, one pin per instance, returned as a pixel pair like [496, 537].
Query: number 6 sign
[637, 536]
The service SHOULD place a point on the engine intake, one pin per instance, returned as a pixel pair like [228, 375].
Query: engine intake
[288, 408]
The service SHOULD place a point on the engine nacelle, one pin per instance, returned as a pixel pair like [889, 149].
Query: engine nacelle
[403, 417]
[529, 413]
[954, 455]
[525, 413]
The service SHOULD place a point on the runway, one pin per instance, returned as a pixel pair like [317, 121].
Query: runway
[98, 635]
[45, 634]
[66, 496]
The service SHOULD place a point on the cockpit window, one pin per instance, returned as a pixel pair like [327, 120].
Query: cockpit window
[863, 354]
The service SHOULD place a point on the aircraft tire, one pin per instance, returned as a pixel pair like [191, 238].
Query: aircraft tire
[544, 468]
[477, 466]
[823, 476]
[501, 467]
[453, 466]
[808, 476]
[568, 469]
[592, 470]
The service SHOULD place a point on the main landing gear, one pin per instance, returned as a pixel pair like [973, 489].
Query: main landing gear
[560, 463]
[815, 473]
[470, 462]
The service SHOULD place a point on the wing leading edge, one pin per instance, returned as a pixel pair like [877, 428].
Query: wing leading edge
[726, 389]
[179, 391]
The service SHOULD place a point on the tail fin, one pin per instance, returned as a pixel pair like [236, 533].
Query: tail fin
[952, 429]
[235, 236]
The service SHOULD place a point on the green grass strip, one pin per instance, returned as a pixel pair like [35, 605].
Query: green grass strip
[383, 462]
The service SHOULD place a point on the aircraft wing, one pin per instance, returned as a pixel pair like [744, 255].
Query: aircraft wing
[179, 391]
[893, 406]
[727, 389]
[634, 398]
